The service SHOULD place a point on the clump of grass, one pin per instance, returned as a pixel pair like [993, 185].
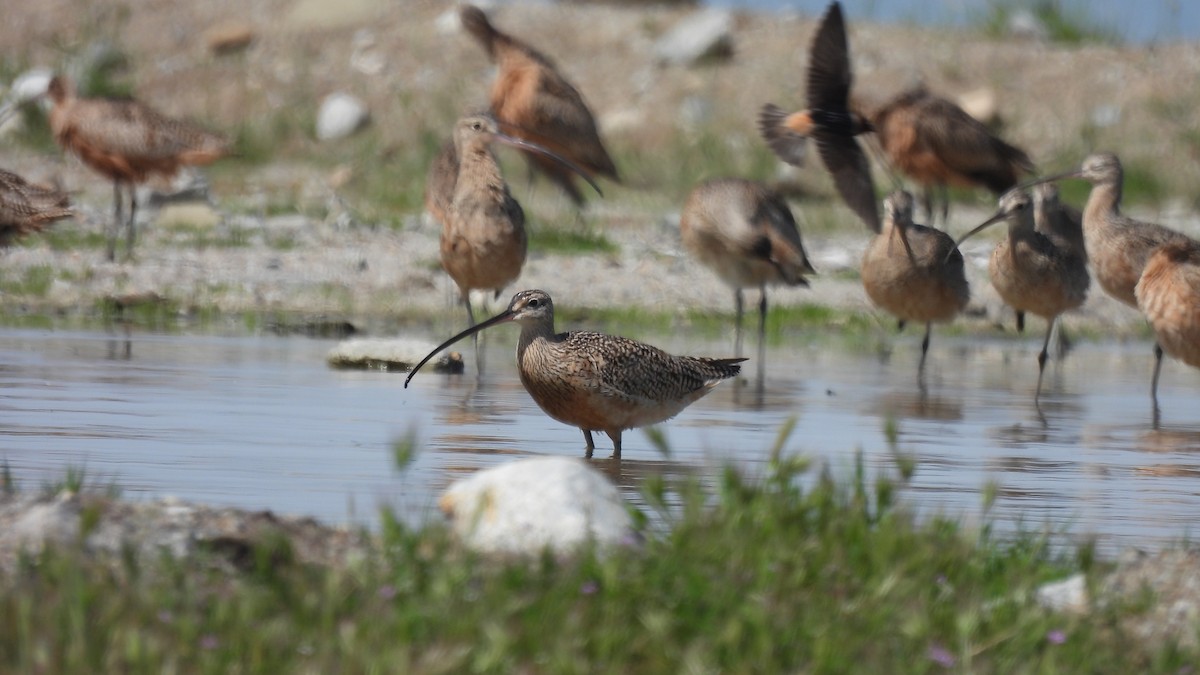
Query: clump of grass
[570, 242]
[34, 282]
[789, 572]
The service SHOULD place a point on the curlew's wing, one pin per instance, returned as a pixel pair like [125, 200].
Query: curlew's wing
[644, 375]
[851, 171]
[966, 145]
[131, 129]
[777, 239]
[559, 118]
[28, 207]
[829, 74]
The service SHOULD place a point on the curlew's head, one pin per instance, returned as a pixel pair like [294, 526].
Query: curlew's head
[1101, 168]
[527, 308]
[1015, 206]
[898, 208]
[60, 89]
[474, 133]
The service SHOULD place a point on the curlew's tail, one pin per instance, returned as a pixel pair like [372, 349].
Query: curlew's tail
[721, 369]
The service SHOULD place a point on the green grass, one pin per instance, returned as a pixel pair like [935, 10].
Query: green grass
[789, 572]
[563, 240]
[33, 282]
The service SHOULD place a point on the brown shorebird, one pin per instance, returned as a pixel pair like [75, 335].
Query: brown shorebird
[483, 240]
[1031, 272]
[927, 137]
[127, 142]
[598, 382]
[1169, 295]
[746, 234]
[27, 207]
[1117, 245]
[1061, 223]
[533, 101]
[937, 144]
[912, 271]
[828, 120]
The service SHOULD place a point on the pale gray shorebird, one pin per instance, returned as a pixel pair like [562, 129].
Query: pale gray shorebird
[27, 207]
[483, 242]
[598, 382]
[912, 271]
[1118, 246]
[745, 233]
[127, 142]
[1031, 272]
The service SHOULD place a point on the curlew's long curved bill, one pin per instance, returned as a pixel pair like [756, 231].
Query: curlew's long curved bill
[506, 315]
[996, 217]
[534, 147]
[1074, 173]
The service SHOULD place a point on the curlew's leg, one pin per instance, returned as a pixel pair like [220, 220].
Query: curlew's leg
[738, 307]
[925, 345]
[1020, 321]
[131, 225]
[944, 193]
[591, 445]
[927, 202]
[1045, 354]
[900, 324]
[762, 332]
[115, 226]
[1158, 353]
[616, 439]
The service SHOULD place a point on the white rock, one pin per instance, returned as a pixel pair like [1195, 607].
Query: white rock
[702, 35]
[340, 116]
[31, 84]
[1025, 26]
[390, 353]
[980, 104]
[529, 505]
[1068, 595]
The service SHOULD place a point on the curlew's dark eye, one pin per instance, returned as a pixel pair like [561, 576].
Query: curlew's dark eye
[534, 302]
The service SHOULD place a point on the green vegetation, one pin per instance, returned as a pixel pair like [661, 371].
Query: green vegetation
[790, 572]
[1066, 21]
[33, 282]
[563, 240]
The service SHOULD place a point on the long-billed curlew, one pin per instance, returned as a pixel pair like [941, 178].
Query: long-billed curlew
[937, 144]
[1031, 272]
[912, 271]
[28, 207]
[598, 382]
[1061, 223]
[1117, 245]
[483, 240]
[533, 101]
[1169, 295]
[127, 142]
[828, 119]
[746, 234]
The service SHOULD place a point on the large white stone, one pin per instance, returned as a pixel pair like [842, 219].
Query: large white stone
[340, 116]
[529, 505]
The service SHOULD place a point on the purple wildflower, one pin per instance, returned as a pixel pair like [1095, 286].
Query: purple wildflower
[209, 641]
[386, 592]
[1056, 637]
[589, 587]
[941, 656]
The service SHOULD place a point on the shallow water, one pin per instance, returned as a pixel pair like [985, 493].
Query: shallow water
[261, 422]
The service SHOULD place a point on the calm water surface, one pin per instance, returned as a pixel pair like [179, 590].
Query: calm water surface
[261, 422]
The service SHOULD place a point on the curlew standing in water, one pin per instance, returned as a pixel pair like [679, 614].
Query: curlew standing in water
[912, 271]
[1169, 295]
[937, 144]
[594, 381]
[828, 120]
[1061, 223]
[746, 234]
[533, 101]
[1118, 246]
[1031, 272]
[27, 207]
[483, 240]
[127, 142]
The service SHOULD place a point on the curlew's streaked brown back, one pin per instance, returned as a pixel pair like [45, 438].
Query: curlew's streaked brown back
[912, 271]
[532, 100]
[27, 207]
[1031, 272]
[745, 233]
[936, 143]
[828, 120]
[1169, 295]
[599, 382]
[127, 142]
[440, 182]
